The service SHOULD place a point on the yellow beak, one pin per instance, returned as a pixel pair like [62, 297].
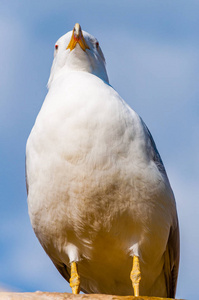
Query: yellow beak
[77, 37]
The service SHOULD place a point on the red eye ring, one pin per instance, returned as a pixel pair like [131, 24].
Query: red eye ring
[97, 45]
[56, 47]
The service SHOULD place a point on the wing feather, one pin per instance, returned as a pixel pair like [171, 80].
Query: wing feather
[171, 266]
[172, 253]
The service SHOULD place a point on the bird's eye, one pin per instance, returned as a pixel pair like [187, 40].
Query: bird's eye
[56, 47]
[97, 45]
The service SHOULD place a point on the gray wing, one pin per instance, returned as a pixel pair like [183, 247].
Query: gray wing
[171, 265]
[172, 252]
[153, 151]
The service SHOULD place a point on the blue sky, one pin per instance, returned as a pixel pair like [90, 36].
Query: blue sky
[152, 53]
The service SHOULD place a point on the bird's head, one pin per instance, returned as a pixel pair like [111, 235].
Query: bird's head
[78, 50]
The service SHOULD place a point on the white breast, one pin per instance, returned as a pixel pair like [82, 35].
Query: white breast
[93, 186]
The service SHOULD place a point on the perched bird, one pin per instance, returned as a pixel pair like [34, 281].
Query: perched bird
[99, 199]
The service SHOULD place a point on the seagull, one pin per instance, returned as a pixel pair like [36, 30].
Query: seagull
[99, 199]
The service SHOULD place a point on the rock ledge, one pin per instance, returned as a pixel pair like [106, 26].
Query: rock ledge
[67, 296]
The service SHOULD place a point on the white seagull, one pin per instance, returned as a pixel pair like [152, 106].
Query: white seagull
[99, 198]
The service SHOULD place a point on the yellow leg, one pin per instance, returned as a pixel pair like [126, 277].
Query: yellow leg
[74, 279]
[135, 275]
